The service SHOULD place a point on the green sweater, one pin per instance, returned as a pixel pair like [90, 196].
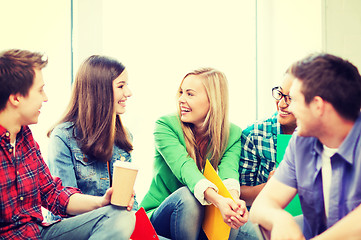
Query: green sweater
[173, 168]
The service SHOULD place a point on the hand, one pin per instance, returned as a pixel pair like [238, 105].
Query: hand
[242, 216]
[105, 200]
[131, 202]
[234, 213]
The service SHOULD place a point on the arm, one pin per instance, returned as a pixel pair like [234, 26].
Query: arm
[346, 228]
[249, 193]
[81, 203]
[249, 168]
[234, 213]
[267, 210]
[169, 142]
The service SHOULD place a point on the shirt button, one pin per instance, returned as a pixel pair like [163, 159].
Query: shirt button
[7, 134]
[18, 172]
[21, 198]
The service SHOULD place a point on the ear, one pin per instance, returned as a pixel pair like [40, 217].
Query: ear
[318, 106]
[14, 99]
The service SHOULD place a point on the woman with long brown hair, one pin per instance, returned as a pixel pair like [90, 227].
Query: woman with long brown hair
[91, 136]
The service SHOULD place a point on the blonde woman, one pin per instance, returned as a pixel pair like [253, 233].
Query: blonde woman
[183, 141]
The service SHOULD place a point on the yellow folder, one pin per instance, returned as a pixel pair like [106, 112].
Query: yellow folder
[213, 225]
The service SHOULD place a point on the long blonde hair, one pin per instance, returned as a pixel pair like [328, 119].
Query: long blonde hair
[216, 122]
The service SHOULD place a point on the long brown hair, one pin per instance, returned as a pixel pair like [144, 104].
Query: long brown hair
[216, 121]
[91, 109]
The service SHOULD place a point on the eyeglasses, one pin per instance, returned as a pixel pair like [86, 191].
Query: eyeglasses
[278, 95]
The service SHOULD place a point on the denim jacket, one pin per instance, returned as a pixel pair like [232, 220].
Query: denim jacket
[66, 160]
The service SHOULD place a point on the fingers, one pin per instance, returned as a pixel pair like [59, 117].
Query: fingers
[240, 214]
[131, 202]
[108, 194]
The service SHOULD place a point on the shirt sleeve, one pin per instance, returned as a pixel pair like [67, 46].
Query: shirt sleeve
[229, 164]
[54, 196]
[248, 164]
[200, 188]
[168, 136]
[60, 158]
[232, 184]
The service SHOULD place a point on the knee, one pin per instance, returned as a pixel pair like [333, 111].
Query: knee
[122, 220]
[189, 203]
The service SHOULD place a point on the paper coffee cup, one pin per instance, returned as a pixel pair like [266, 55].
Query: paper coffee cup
[124, 174]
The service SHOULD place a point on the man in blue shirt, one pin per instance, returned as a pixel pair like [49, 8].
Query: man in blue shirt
[323, 159]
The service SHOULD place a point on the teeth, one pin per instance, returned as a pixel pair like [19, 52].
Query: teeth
[281, 112]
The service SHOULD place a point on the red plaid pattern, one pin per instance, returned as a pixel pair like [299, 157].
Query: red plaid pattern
[26, 185]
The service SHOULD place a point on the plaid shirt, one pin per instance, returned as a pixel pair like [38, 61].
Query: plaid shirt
[26, 185]
[258, 155]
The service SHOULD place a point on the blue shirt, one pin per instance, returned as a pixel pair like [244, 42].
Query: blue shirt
[259, 148]
[301, 169]
[75, 169]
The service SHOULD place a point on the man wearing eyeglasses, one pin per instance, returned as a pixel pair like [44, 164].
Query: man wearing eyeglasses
[259, 143]
[322, 162]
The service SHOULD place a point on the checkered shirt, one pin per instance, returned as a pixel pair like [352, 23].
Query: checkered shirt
[26, 185]
[258, 155]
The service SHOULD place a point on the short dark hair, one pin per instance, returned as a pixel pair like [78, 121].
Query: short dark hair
[333, 79]
[17, 72]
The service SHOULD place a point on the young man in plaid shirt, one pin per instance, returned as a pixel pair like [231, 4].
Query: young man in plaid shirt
[259, 143]
[25, 180]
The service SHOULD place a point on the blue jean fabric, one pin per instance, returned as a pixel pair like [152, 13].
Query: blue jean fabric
[180, 217]
[110, 222]
[75, 169]
[247, 232]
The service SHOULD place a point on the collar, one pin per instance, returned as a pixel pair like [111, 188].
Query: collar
[348, 147]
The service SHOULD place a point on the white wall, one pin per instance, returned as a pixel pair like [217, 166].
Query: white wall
[343, 29]
[160, 41]
[43, 26]
[287, 31]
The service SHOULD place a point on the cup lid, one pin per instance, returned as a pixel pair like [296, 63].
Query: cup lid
[129, 165]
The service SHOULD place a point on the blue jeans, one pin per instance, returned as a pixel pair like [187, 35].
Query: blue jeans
[247, 232]
[180, 216]
[109, 222]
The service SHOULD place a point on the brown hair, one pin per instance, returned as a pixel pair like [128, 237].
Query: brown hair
[333, 79]
[91, 109]
[17, 72]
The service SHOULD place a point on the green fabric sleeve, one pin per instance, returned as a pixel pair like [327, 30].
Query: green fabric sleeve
[228, 167]
[169, 142]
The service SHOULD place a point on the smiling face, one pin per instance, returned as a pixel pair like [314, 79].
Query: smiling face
[286, 119]
[307, 122]
[193, 101]
[121, 92]
[30, 105]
